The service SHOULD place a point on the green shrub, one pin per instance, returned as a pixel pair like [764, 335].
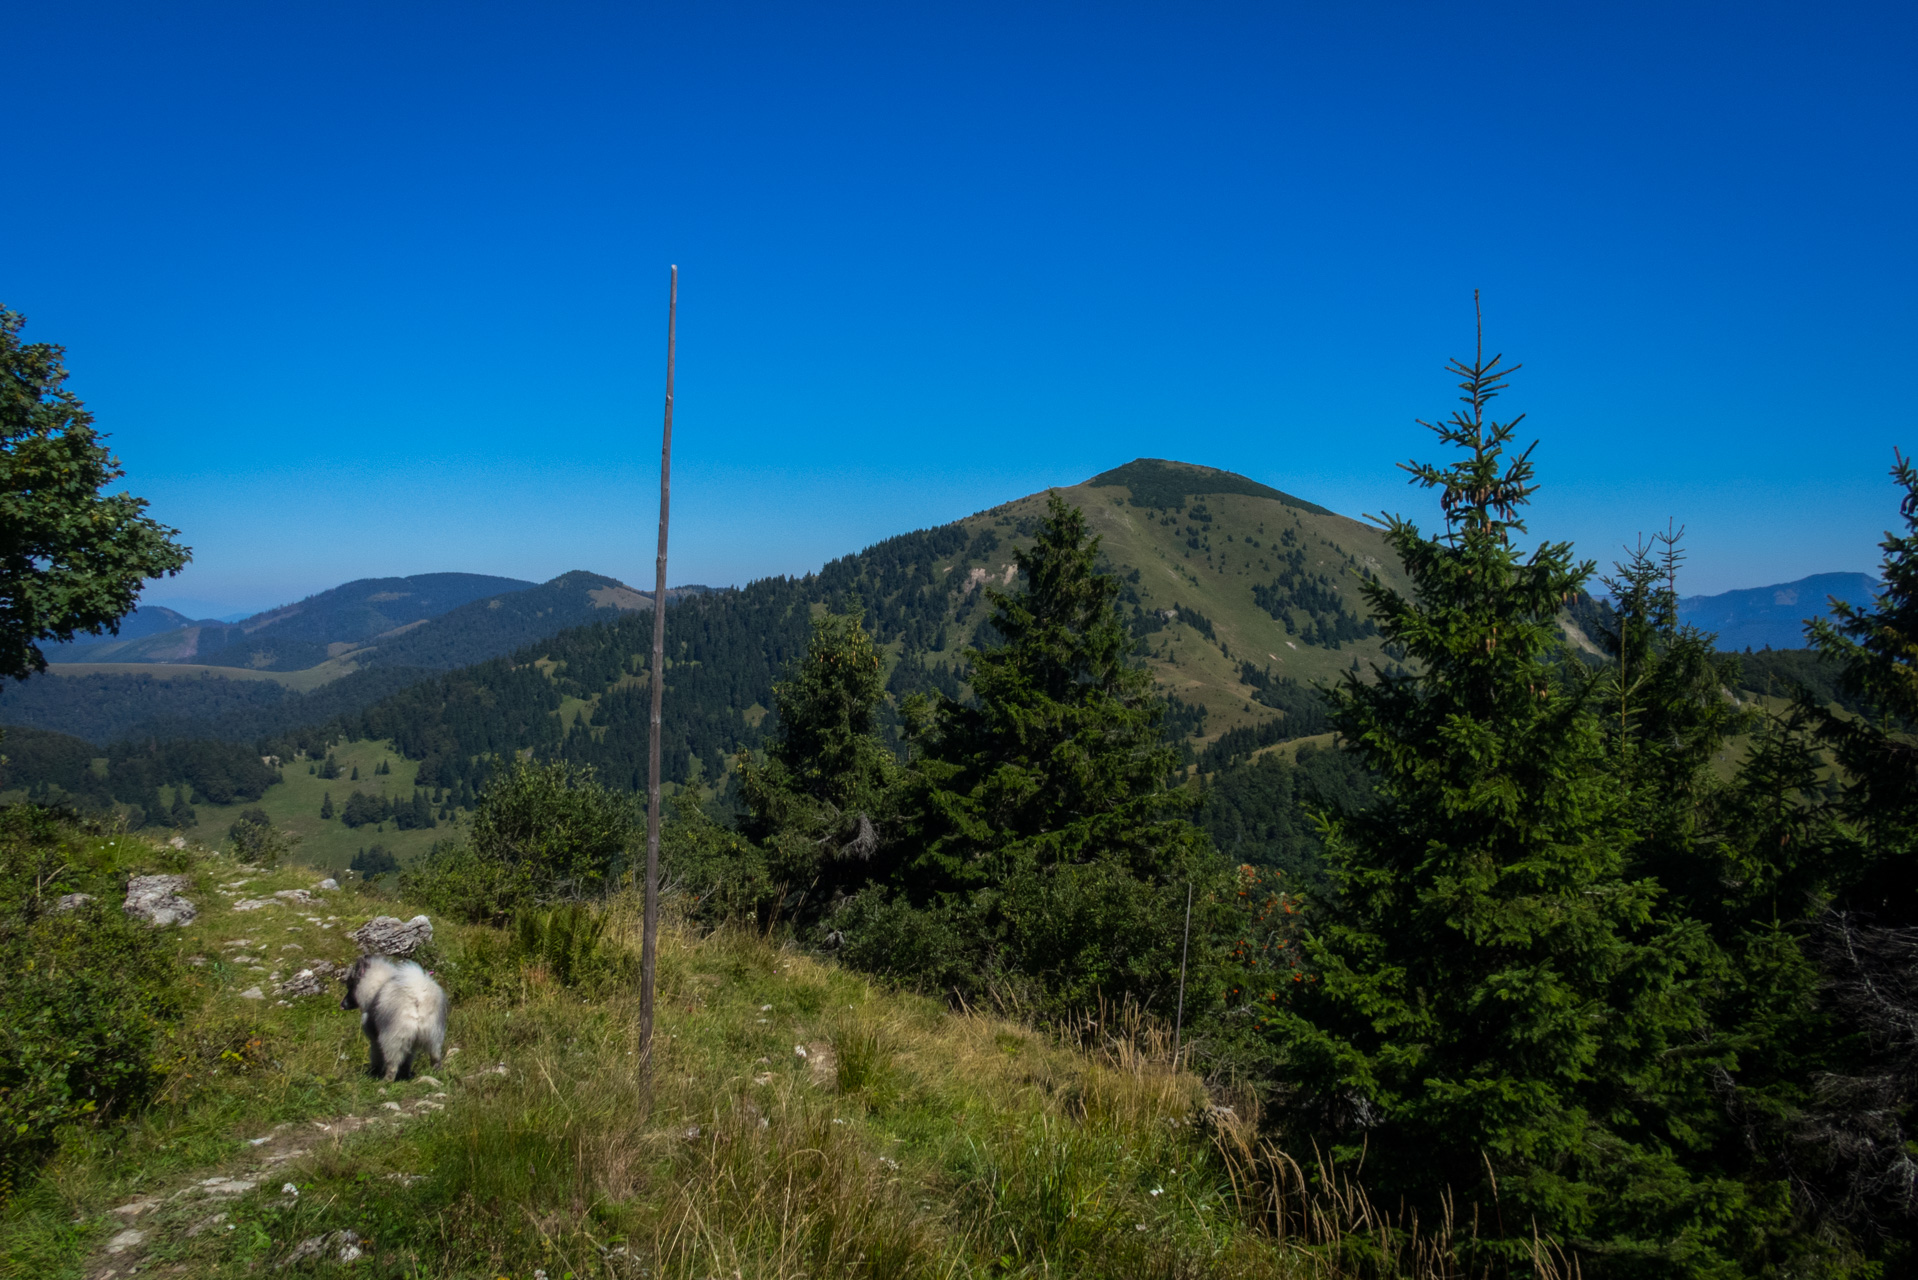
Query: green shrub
[454, 881]
[85, 993]
[542, 833]
[718, 875]
[564, 941]
[556, 821]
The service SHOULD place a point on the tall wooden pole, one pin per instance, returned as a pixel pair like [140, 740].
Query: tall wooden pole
[649, 938]
[1185, 949]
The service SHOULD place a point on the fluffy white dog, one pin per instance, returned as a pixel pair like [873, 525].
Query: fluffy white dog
[402, 1012]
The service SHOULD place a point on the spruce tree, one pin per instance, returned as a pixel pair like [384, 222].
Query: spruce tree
[820, 800]
[326, 806]
[1876, 651]
[1042, 848]
[1854, 1135]
[1499, 1015]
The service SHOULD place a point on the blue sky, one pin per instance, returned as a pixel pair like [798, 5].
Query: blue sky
[379, 289]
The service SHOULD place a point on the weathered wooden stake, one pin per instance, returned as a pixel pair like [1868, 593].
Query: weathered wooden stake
[649, 937]
[1185, 949]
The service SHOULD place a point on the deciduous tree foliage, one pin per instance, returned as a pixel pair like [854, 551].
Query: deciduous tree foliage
[72, 559]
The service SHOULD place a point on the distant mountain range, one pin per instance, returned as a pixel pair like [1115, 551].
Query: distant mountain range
[293, 636]
[1774, 617]
[1240, 595]
[435, 620]
[169, 676]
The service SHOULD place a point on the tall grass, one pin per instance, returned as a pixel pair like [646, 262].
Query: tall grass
[798, 1121]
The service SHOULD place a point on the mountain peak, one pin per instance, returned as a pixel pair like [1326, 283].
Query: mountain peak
[1163, 484]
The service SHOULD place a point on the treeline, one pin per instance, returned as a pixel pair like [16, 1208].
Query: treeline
[1327, 620]
[59, 769]
[119, 708]
[364, 809]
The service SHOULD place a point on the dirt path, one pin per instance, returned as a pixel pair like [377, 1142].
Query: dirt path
[196, 1204]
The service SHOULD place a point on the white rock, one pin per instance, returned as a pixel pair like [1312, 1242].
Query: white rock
[72, 901]
[254, 904]
[177, 842]
[310, 982]
[230, 1186]
[253, 993]
[328, 883]
[299, 896]
[125, 1240]
[390, 936]
[157, 900]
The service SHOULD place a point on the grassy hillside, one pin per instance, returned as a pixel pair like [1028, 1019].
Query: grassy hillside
[329, 844]
[1212, 554]
[797, 1121]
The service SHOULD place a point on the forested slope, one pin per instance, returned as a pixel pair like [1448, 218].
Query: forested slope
[1239, 596]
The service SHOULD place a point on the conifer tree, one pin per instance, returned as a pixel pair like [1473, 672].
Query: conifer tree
[1042, 847]
[1854, 1136]
[1499, 1012]
[820, 800]
[1876, 651]
[326, 806]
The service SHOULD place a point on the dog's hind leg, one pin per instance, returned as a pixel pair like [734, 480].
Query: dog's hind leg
[399, 1044]
[376, 1059]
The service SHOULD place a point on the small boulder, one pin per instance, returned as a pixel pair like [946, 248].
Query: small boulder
[253, 993]
[328, 883]
[157, 900]
[72, 901]
[310, 982]
[254, 904]
[390, 936]
[343, 1245]
[300, 896]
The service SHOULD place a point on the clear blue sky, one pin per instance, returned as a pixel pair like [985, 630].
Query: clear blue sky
[379, 289]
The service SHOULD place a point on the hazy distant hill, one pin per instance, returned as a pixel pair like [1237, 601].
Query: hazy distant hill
[1774, 617]
[146, 620]
[108, 706]
[295, 636]
[482, 629]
